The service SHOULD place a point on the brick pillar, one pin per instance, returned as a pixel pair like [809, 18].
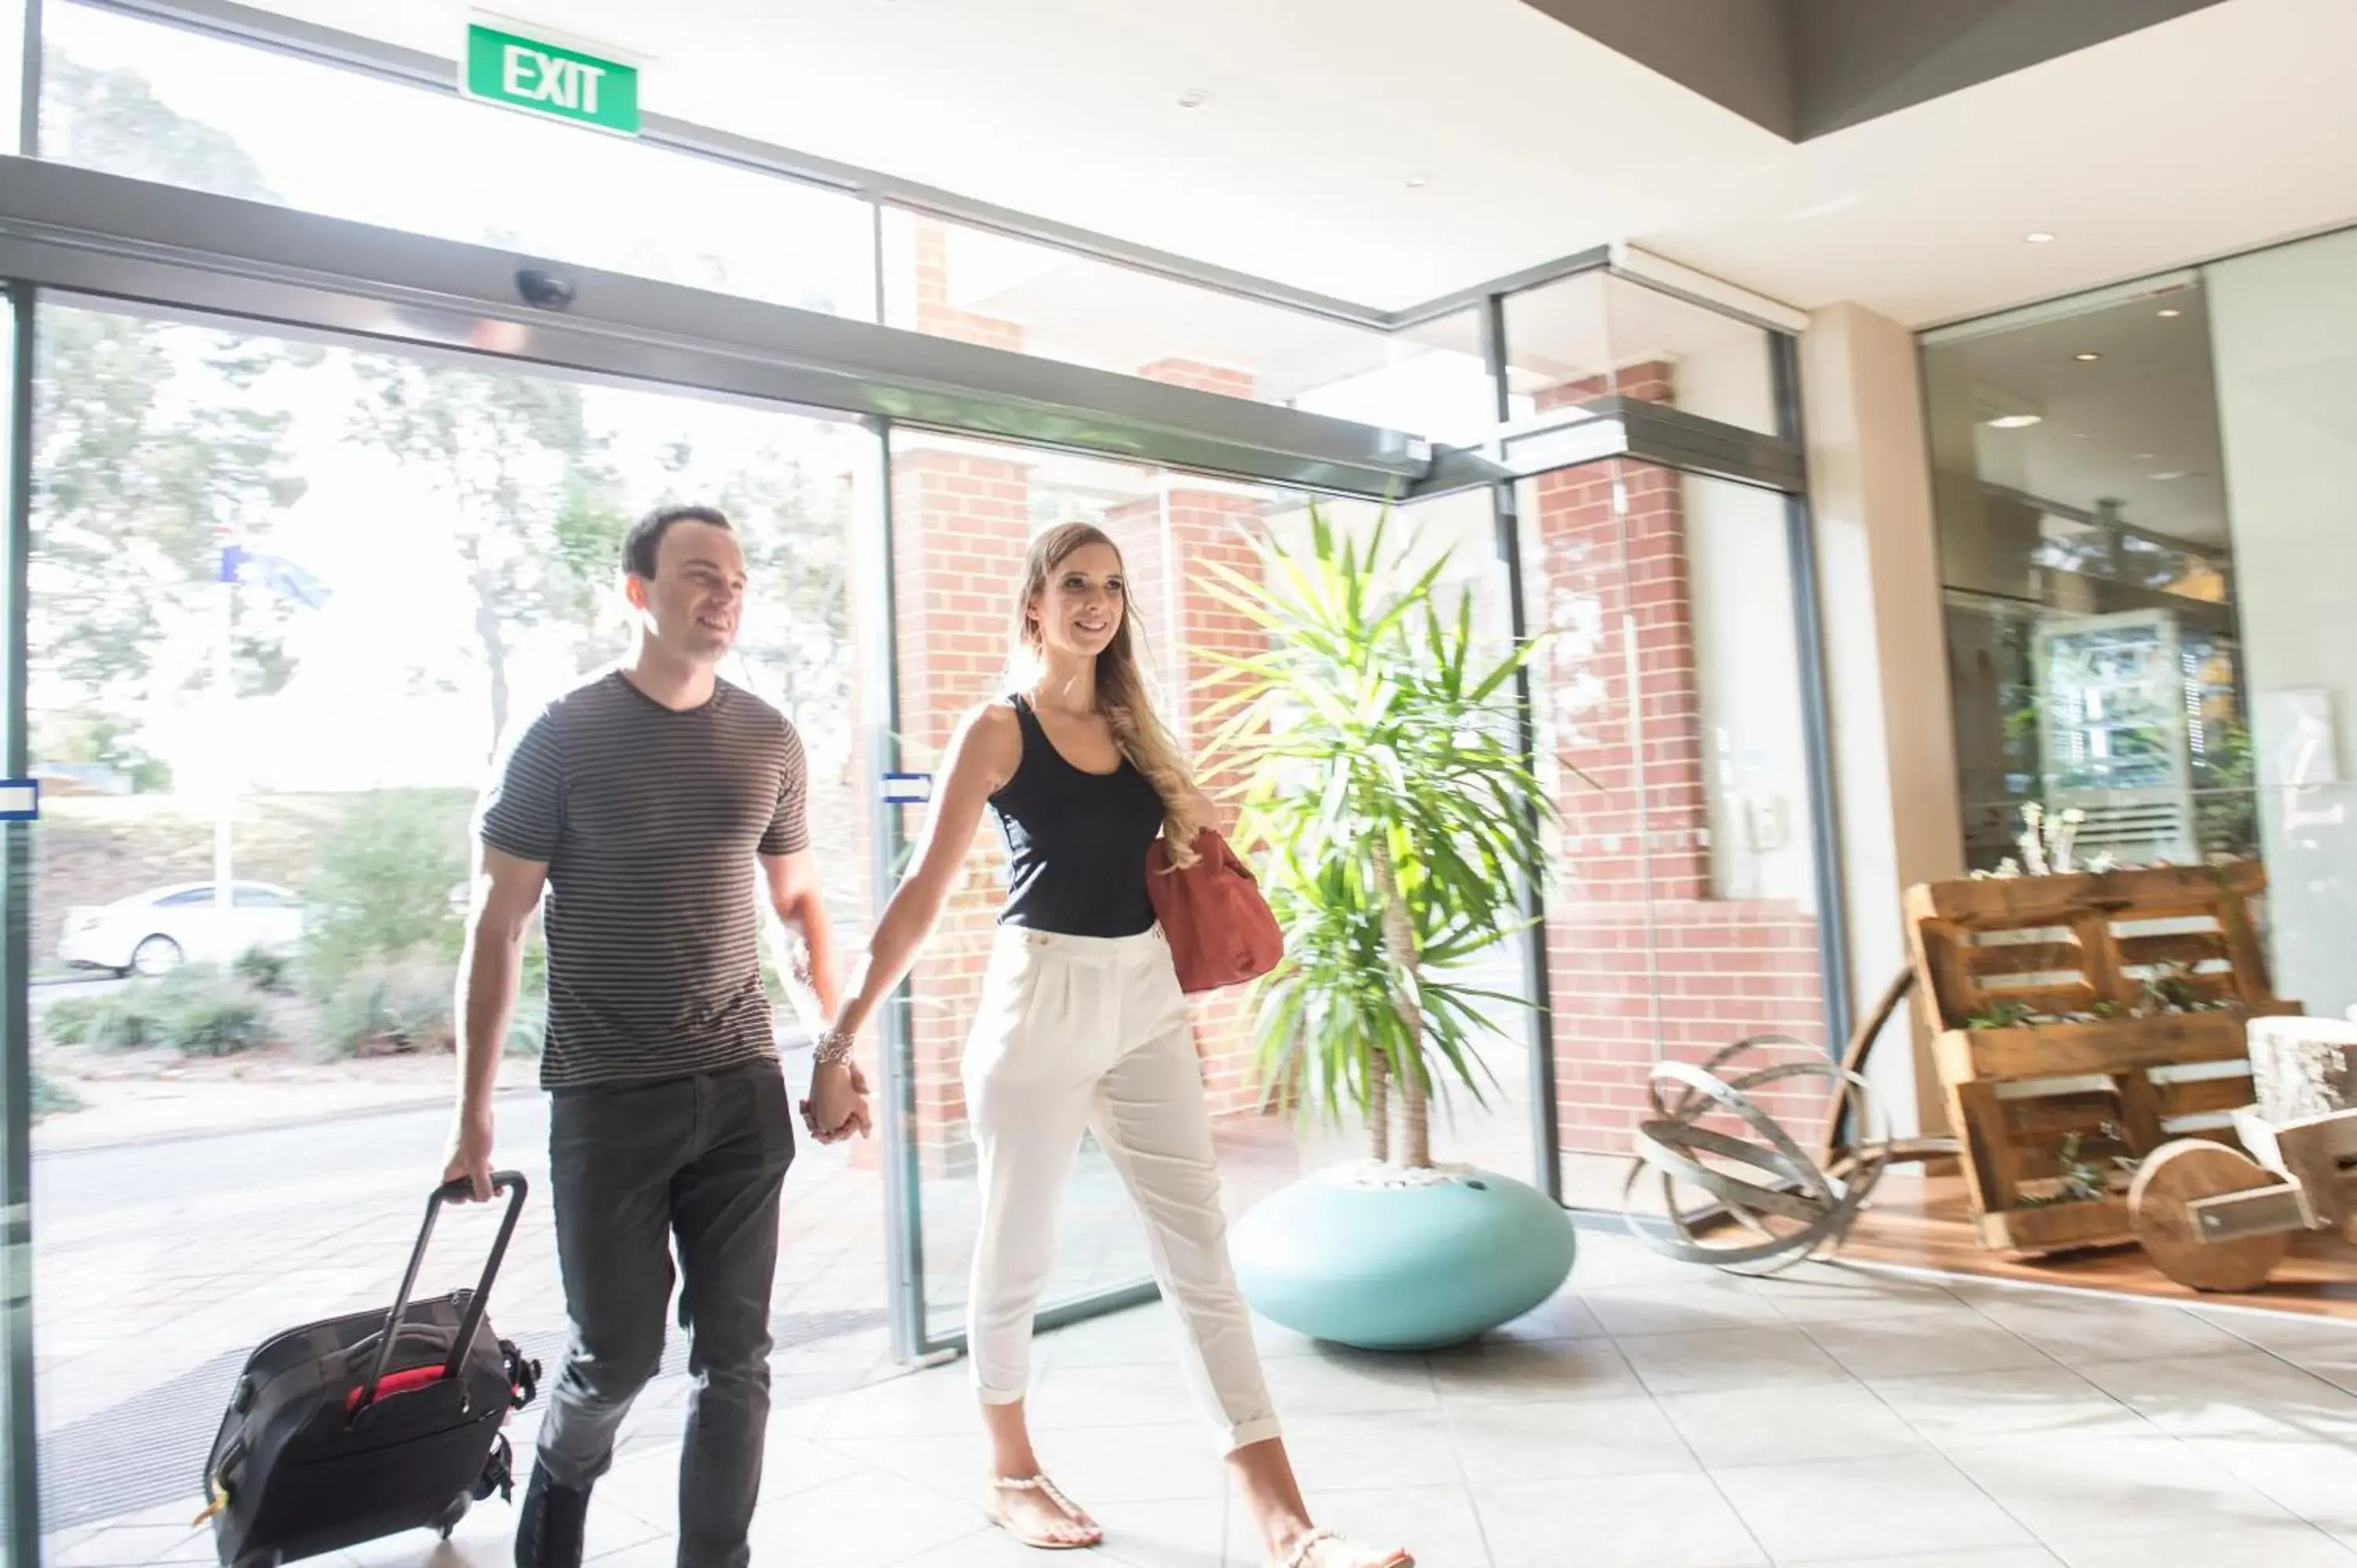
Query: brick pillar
[960, 523]
[1185, 626]
[1638, 948]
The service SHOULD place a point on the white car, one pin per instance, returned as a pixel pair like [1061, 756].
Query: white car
[156, 931]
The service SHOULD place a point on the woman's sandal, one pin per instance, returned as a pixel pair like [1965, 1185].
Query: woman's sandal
[995, 1509]
[1326, 1549]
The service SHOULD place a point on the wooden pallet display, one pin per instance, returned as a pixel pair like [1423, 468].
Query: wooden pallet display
[2091, 948]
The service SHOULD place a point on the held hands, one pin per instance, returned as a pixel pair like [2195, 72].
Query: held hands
[837, 1106]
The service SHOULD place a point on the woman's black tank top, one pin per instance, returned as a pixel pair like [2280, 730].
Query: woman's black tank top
[1076, 842]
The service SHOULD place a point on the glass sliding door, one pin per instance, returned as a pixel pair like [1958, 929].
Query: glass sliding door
[1671, 702]
[284, 595]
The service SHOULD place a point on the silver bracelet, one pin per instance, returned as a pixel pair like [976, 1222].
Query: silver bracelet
[833, 1047]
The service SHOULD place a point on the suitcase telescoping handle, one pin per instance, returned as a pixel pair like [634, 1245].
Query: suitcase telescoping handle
[515, 1186]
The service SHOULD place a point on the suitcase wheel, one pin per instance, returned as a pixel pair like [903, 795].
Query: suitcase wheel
[447, 1522]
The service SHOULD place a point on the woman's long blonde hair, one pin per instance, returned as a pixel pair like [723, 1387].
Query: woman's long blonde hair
[1123, 696]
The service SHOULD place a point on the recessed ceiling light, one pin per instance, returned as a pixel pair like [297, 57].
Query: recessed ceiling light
[1193, 98]
[2166, 475]
[2041, 238]
[2088, 358]
[2016, 420]
[2171, 313]
[1418, 181]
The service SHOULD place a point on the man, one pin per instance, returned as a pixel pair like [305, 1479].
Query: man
[642, 801]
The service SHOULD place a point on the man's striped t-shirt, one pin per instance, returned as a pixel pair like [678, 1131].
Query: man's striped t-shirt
[650, 823]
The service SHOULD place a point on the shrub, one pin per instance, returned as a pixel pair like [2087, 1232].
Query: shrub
[379, 893]
[264, 970]
[395, 1008]
[211, 1016]
[51, 1096]
[195, 1010]
[118, 1021]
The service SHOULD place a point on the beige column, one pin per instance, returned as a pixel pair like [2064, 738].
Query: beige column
[1886, 657]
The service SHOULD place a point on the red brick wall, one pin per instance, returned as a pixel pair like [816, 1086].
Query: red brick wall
[960, 523]
[1640, 951]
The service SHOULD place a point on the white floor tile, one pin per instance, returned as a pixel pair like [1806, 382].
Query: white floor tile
[1960, 1410]
[2274, 1546]
[1519, 1371]
[1923, 1344]
[2227, 1396]
[1349, 1382]
[1831, 1292]
[1621, 1521]
[870, 1520]
[2110, 1488]
[1703, 1300]
[1437, 1523]
[1159, 1535]
[1395, 1448]
[2078, 1330]
[1734, 1359]
[2315, 1479]
[2002, 1557]
[1500, 1441]
[1791, 1425]
[1877, 1508]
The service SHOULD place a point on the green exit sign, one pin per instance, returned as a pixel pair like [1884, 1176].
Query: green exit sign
[550, 78]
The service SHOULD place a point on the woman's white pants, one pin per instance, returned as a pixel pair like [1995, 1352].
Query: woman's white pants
[1092, 1033]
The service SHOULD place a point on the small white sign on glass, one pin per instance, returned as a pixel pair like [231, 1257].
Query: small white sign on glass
[2299, 745]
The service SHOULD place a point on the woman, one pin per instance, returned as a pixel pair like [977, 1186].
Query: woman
[1081, 1026]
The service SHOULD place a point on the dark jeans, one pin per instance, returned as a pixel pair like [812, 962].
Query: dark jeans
[633, 1168]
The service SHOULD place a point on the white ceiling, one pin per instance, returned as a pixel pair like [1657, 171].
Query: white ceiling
[2220, 130]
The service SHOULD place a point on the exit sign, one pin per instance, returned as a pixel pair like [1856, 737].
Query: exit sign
[551, 79]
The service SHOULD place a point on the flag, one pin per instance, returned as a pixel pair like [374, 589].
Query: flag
[276, 572]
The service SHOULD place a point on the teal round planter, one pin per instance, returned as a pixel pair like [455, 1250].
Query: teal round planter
[1406, 1268]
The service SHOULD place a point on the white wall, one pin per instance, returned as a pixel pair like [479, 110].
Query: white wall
[2284, 325]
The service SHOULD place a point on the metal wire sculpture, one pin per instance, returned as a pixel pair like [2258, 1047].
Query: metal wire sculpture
[1801, 1209]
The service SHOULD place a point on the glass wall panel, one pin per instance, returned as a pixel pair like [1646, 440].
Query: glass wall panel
[963, 513]
[1599, 335]
[2284, 323]
[141, 99]
[14, 1118]
[1486, 1123]
[950, 281]
[2095, 617]
[1684, 916]
[285, 596]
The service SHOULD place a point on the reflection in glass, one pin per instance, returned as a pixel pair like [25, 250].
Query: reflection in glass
[949, 281]
[137, 98]
[2094, 620]
[1599, 335]
[1669, 694]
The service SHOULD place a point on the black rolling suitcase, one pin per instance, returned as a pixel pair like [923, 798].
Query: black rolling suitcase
[363, 1426]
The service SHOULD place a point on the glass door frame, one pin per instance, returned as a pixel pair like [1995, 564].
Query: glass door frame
[185, 251]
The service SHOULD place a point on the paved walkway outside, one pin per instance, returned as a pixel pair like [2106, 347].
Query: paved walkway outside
[1654, 1416]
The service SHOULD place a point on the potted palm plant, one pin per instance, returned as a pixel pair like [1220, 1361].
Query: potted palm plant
[1385, 794]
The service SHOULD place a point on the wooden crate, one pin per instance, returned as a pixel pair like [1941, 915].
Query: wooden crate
[2088, 949]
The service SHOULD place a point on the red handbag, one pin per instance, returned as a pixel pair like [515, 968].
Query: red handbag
[1220, 928]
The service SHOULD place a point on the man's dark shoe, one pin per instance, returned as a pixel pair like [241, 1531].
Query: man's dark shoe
[548, 1533]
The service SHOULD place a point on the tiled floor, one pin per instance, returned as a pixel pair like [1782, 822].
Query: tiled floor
[1656, 1416]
